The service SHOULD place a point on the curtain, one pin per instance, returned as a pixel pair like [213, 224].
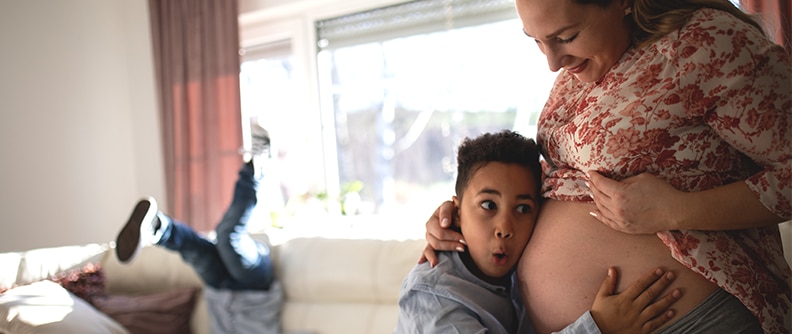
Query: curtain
[776, 17]
[196, 56]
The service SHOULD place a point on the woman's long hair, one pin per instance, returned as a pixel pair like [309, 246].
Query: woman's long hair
[653, 19]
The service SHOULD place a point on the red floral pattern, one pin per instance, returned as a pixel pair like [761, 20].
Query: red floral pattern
[705, 106]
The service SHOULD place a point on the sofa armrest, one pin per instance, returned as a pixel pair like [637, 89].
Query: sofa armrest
[20, 268]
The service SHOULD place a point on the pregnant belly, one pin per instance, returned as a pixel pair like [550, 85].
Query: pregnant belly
[569, 254]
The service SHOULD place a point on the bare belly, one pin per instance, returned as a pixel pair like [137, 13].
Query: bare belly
[569, 254]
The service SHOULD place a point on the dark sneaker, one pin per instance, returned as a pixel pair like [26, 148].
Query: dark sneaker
[140, 224]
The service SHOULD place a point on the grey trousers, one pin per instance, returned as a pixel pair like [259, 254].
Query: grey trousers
[719, 313]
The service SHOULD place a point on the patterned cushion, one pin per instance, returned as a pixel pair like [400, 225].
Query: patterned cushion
[165, 312]
[46, 307]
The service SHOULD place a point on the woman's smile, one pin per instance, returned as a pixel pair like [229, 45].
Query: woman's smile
[579, 68]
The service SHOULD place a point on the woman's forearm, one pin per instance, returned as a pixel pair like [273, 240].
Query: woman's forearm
[730, 207]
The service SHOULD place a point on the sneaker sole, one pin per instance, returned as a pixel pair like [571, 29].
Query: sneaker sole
[128, 240]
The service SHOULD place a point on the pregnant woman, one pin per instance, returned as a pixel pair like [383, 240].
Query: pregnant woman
[666, 140]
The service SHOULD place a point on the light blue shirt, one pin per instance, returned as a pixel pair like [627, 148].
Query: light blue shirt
[245, 311]
[451, 299]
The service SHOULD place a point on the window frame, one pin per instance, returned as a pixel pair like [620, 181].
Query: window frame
[294, 21]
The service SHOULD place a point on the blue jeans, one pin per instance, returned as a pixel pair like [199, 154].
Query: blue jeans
[234, 261]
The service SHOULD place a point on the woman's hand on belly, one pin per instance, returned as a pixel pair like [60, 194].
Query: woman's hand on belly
[642, 204]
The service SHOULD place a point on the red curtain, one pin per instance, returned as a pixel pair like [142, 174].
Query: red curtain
[776, 17]
[196, 55]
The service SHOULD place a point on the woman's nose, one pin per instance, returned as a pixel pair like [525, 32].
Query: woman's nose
[554, 57]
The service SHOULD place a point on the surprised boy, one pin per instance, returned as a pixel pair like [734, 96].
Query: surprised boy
[476, 291]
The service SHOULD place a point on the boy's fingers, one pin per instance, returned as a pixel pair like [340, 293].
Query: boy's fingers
[637, 288]
[659, 311]
[655, 323]
[608, 284]
[662, 304]
[649, 294]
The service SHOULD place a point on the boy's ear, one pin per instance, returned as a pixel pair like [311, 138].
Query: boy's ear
[456, 218]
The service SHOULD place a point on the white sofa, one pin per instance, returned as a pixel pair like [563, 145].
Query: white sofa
[331, 286]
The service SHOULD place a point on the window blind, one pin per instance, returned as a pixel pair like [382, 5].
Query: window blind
[409, 18]
[277, 49]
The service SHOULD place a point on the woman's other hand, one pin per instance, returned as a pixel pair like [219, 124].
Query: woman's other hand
[641, 204]
[439, 237]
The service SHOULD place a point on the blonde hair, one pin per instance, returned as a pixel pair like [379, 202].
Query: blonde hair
[656, 18]
[653, 19]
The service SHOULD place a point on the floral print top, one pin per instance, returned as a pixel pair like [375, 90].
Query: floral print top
[707, 105]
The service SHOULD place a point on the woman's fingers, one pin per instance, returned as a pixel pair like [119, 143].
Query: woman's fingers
[447, 241]
[428, 255]
[439, 237]
[445, 213]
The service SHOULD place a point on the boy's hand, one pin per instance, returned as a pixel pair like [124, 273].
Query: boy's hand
[636, 309]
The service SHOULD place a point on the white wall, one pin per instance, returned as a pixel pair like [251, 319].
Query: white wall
[79, 133]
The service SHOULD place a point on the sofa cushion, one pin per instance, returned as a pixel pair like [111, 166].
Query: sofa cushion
[343, 286]
[341, 270]
[166, 312]
[154, 269]
[46, 307]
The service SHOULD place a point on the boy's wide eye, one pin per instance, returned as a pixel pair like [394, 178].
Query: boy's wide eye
[524, 208]
[488, 205]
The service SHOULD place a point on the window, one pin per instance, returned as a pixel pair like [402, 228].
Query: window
[407, 83]
[396, 89]
[272, 96]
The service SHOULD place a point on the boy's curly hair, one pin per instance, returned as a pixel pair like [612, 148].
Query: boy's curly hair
[506, 146]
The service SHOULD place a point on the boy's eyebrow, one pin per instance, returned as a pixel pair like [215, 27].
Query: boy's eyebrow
[495, 192]
[554, 34]
[489, 191]
[525, 196]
